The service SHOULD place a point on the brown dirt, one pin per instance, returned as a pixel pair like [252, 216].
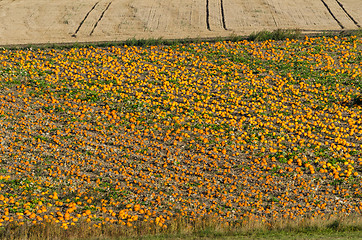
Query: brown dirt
[43, 21]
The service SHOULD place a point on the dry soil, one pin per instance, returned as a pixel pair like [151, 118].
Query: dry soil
[50, 21]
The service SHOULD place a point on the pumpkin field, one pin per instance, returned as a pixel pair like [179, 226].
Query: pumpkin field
[129, 135]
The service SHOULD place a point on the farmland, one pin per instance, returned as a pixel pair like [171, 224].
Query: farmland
[68, 21]
[127, 135]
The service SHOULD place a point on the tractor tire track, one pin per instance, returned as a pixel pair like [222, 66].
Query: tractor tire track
[85, 17]
[223, 14]
[207, 16]
[100, 18]
[272, 10]
[331, 13]
[349, 15]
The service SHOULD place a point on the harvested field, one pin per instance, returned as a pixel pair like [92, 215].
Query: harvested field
[237, 131]
[41, 21]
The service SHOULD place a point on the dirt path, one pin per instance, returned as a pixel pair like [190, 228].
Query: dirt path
[44, 21]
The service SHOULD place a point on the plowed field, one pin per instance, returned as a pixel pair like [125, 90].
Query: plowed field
[42, 21]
